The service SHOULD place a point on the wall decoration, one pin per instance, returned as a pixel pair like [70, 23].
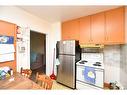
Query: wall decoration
[22, 48]
[6, 39]
[19, 34]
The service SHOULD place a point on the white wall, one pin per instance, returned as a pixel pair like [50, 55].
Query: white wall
[56, 28]
[22, 18]
[55, 36]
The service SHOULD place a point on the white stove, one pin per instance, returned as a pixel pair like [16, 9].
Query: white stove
[94, 60]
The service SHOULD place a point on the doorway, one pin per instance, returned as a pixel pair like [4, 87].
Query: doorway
[37, 52]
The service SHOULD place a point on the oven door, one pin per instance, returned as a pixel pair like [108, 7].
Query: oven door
[99, 76]
[80, 73]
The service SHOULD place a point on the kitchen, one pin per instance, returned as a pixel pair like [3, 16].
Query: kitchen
[101, 38]
[100, 34]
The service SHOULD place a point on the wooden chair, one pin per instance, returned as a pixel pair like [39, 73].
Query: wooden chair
[26, 72]
[45, 81]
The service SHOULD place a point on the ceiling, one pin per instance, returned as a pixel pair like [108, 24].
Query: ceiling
[63, 13]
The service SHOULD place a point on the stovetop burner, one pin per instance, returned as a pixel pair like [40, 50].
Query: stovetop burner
[97, 64]
[83, 62]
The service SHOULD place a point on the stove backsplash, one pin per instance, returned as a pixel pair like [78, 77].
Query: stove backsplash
[92, 57]
[112, 63]
[123, 66]
[92, 50]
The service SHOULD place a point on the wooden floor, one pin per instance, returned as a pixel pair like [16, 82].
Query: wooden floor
[57, 86]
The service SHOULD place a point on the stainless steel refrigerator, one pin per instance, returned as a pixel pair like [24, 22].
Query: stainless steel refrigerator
[68, 53]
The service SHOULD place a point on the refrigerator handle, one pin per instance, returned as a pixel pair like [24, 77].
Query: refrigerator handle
[57, 49]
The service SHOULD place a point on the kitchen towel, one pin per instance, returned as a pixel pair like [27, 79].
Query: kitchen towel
[90, 75]
[57, 62]
[6, 48]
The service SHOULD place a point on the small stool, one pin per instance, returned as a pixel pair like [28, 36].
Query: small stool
[26, 72]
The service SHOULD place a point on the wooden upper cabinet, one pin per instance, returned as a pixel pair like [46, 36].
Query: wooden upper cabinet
[70, 30]
[101, 28]
[98, 28]
[115, 25]
[85, 31]
[7, 28]
[92, 29]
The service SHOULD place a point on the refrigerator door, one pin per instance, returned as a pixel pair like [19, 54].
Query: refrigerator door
[67, 47]
[66, 71]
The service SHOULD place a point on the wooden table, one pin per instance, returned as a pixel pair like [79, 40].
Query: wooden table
[19, 82]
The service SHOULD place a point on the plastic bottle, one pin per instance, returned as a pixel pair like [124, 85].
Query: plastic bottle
[11, 72]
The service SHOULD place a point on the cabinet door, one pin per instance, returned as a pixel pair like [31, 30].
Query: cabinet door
[115, 25]
[85, 35]
[7, 28]
[70, 30]
[98, 28]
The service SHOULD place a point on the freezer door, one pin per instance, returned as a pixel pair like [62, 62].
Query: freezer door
[66, 70]
[67, 47]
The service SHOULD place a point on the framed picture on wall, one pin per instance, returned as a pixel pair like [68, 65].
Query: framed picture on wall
[6, 39]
